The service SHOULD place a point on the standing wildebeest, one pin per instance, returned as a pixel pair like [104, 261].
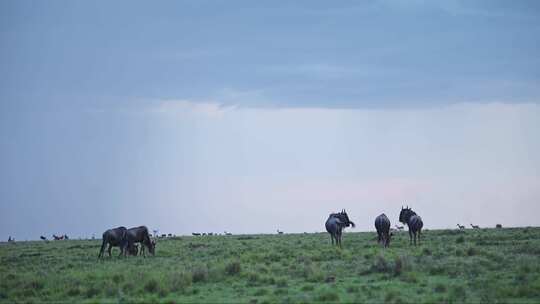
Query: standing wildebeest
[413, 221]
[475, 226]
[335, 224]
[382, 224]
[114, 238]
[140, 235]
[461, 227]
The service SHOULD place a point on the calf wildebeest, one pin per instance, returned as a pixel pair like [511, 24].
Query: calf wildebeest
[461, 226]
[475, 226]
[140, 235]
[413, 221]
[382, 224]
[335, 224]
[43, 238]
[114, 238]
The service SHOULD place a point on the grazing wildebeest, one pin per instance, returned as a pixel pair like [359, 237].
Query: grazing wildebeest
[382, 224]
[114, 238]
[475, 226]
[413, 221]
[335, 224]
[43, 238]
[140, 235]
[461, 226]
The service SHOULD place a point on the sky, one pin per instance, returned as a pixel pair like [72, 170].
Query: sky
[253, 116]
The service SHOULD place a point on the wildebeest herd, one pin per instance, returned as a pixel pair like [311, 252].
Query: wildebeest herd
[336, 222]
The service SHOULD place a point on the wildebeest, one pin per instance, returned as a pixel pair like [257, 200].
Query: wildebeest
[382, 224]
[498, 226]
[335, 224]
[58, 238]
[140, 235]
[475, 226]
[461, 226]
[279, 232]
[114, 238]
[43, 238]
[195, 234]
[413, 221]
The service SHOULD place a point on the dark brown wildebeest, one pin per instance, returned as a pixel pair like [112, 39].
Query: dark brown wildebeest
[140, 235]
[498, 226]
[461, 227]
[413, 221]
[58, 238]
[335, 224]
[43, 238]
[382, 224]
[475, 226]
[114, 238]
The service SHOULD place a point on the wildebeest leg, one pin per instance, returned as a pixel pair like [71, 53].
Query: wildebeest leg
[102, 250]
[410, 236]
[378, 238]
[109, 250]
[414, 238]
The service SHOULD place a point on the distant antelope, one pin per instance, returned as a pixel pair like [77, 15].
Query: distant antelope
[279, 232]
[195, 234]
[43, 238]
[461, 226]
[399, 227]
[475, 226]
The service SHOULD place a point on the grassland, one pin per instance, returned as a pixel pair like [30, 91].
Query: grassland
[488, 265]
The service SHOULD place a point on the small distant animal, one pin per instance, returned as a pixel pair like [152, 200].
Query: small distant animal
[498, 226]
[335, 224]
[399, 227]
[382, 224]
[227, 233]
[169, 235]
[475, 226]
[413, 221]
[210, 233]
[163, 235]
[43, 238]
[461, 226]
[66, 237]
[279, 232]
[58, 238]
[11, 240]
[204, 233]
[195, 234]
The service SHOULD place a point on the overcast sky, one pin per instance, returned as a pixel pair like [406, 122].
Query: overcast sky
[253, 116]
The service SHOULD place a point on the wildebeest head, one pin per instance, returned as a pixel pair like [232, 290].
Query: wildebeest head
[405, 214]
[344, 218]
[152, 247]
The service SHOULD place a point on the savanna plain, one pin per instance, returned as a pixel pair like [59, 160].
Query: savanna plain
[453, 266]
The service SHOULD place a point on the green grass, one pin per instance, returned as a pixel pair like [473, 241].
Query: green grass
[489, 266]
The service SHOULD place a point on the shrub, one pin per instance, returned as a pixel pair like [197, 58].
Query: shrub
[440, 287]
[352, 289]
[91, 292]
[180, 281]
[199, 274]
[233, 268]
[471, 251]
[380, 264]
[460, 239]
[151, 286]
[328, 296]
[261, 292]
